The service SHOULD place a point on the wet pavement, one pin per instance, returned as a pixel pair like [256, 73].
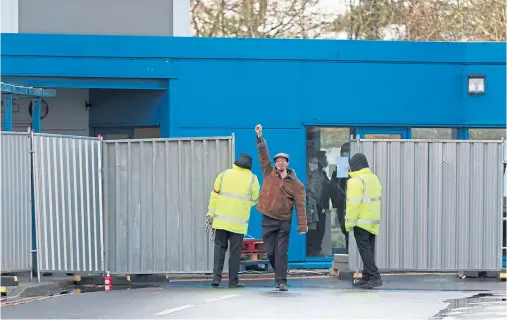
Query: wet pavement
[480, 306]
[31, 288]
[321, 298]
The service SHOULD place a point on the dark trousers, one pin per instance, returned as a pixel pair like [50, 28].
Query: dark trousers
[222, 239]
[275, 234]
[366, 245]
[315, 237]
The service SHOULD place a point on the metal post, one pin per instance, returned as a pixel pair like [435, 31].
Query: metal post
[102, 220]
[7, 111]
[36, 103]
[36, 206]
[35, 262]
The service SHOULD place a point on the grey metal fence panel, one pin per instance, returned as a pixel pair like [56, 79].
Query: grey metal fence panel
[16, 208]
[69, 221]
[442, 204]
[156, 195]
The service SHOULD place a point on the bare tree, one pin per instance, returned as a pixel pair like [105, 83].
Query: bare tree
[259, 18]
[424, 20]
[486, 20]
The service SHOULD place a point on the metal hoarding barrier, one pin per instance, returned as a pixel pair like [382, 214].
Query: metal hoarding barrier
[156, 194]
[16, 220]
[441, 204]
[68, 195]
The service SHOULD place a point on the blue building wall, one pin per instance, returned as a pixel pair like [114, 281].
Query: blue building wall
[213, 87]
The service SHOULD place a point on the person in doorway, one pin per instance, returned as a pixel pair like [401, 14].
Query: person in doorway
[338, 195]
[364, 193]
[318, 203]
[280, 193]
[234, 193]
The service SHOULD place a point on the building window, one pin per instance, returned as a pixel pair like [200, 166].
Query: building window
[486, 134]
[435, 133]
[326, 149]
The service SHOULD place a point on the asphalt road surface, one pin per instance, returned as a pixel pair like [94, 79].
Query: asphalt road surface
[309, 298]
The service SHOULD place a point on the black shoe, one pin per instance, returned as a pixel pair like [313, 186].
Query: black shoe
[375, 283]
[372, 284]
[236, 285]
[215, 283]
[283, 287]
[360, 283]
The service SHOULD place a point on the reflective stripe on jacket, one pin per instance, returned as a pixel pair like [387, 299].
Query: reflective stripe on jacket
[234, 193]
[364, 195]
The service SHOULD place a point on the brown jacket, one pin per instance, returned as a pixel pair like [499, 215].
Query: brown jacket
[279, 196]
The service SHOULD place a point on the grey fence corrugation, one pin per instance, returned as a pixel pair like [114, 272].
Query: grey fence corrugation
[16, 202]
[68, 201]
[441, 207]
[156, 195]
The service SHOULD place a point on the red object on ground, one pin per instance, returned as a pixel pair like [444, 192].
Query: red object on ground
[108, 282]
[252, 246]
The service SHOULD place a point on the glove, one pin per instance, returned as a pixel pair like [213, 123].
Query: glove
[208, 225]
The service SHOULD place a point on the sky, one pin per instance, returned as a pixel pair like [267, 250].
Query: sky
[333, 5]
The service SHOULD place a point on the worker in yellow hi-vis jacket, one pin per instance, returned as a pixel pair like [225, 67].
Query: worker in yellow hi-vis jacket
[234, 193]
[364, 192]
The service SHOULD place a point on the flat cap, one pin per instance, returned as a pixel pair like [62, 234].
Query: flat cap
[282, 155]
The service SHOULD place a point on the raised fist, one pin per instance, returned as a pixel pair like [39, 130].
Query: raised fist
[258, 130]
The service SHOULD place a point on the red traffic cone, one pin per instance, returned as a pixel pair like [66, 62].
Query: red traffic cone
[108, 282]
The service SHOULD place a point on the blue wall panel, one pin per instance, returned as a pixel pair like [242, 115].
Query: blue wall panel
[163, 48]
[382, 93]
[287, 94]
[245, 93]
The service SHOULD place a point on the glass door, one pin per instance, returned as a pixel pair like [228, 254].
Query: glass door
[382, 133]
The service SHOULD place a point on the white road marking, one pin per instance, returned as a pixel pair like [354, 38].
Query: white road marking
[163, 313]
[222, 298]
[168, 311]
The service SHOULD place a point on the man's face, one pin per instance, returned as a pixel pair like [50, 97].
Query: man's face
[281, 163]
[323, 162]
[314, 164]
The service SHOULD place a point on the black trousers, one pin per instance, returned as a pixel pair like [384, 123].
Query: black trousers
[275, 234]
[222, 240]
[366, 245]
[315, 237]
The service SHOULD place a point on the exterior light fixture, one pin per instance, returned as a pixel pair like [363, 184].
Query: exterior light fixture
[476, 84]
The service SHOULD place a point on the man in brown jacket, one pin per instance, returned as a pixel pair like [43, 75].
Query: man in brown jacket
[280, 192]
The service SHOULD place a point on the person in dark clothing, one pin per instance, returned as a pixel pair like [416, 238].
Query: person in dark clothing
[364, 196]
[338, 195]
[318, 200]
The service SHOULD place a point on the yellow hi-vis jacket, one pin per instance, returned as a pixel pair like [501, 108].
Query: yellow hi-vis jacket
[235, 192]
[364, 194]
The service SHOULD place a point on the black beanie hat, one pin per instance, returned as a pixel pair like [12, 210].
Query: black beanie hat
[358, 162]
[244, 161]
